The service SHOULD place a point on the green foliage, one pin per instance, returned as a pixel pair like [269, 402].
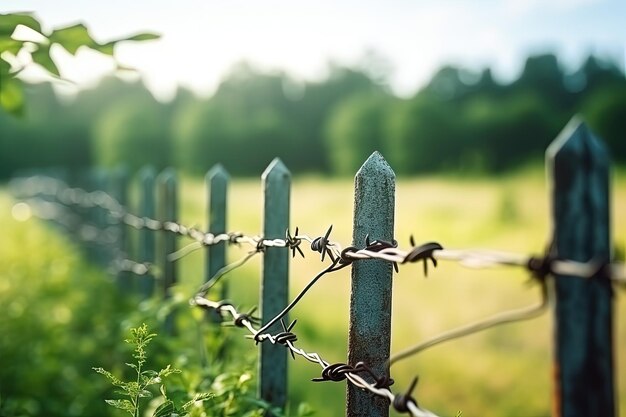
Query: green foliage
[70, 38]
[52, 328]
[245, 125]
[133, 133]
[138, 388]
[416, 135]
[606, 113]
[460, 122]
[355, 129]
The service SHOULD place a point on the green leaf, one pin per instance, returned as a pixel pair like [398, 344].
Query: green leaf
[305, 410]
[107, 48]
[141, 37]
[144, 394]
[10, 45]
[196, 398]
[42, 57]
[8, 22]
[114, 381]
[164, 410]
[125, 405]
[11, 93]
[167, 371]
[72, 37]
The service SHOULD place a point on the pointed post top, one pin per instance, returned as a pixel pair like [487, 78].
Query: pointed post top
[275, 168]
[217, 171]
[168, 175]
[121, 170]
[576, 141]
[376, 165]
[147, 173]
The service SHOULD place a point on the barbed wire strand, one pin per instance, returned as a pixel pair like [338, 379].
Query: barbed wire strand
[331, 268]
[471, 258]
[90, 233]
[287, 339]
[204, 288]
[511, 316]
[340, 258]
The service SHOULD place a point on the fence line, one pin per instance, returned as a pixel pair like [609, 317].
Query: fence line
[388, 251]
[575, 154]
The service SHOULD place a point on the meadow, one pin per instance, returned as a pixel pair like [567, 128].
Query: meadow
[500, 372]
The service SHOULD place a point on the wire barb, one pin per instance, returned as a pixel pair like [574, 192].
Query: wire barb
[402, 401]
[423, 253]
[321, 245]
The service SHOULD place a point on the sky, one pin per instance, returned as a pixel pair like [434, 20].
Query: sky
[202, 39]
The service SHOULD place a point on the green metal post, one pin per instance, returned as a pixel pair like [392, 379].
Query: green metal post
[578, 165]
[146, 237]
[119, 191]
[167, 211]
[217, 186]
[275, 282]
[370, 297]
[98, 218]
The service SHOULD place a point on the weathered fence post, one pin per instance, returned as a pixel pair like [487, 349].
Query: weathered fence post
[217, 186]
[146, 241]
[275, 282]
[578, 164]
[167, 211]
[99, 252]
[119, 190]
[370, 296]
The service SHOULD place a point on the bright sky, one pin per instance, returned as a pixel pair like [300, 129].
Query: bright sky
[202, 39]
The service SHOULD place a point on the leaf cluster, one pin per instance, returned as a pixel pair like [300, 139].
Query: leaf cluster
[37, 50]
[138, 389]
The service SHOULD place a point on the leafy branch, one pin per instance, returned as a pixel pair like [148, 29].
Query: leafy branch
[138, 389]
[37, 51]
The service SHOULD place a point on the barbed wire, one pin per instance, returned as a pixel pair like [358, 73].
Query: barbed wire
[378, 249]
[92, 234]
[339, 258]
[403, 403]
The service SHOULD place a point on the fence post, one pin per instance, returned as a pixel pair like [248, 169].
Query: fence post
[146, 241]
[578, 165]
[370, 296]
[119, 191]
[275, 282]
[217, 186]
[98, 217]
[167, 211]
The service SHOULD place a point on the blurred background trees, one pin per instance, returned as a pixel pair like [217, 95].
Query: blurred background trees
[460, 121]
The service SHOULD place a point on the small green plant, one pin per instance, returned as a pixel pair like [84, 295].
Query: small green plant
[138, 389]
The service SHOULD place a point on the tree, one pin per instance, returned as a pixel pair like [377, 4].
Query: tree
[355, 129]
[247, 123]
[606, 113]
[133, 131]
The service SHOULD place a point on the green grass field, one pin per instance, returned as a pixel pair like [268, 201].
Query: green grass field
[500, 372]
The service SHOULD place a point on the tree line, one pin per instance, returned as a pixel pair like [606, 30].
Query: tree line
[460, 121]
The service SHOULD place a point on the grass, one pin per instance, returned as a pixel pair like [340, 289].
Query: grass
[500, 372]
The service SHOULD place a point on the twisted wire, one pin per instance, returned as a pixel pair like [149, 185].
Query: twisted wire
[387, 251]
[339, 258]
[402, 402]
